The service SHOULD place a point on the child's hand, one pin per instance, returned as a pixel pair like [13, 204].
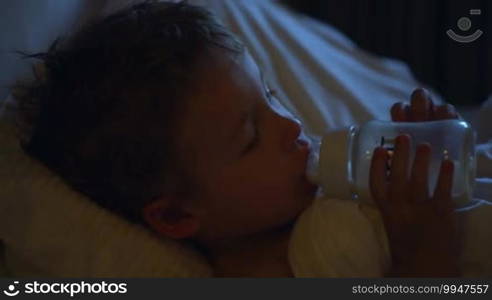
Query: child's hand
[421, 109]
[421, 230]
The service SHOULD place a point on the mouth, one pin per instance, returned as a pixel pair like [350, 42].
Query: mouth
[303, 145]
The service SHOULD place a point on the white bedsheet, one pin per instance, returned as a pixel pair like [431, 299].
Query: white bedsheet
[319, 74]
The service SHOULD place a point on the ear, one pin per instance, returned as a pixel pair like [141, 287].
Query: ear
[169, 219]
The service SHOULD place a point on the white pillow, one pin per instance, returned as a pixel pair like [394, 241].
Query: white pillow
[50, 230]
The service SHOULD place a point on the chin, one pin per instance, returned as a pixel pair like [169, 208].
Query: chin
[291, 222]
[310, 189]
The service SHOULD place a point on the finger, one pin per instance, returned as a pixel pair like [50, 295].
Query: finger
[398, 112]
[446, 111]
[420, 106]
[398, 179]
[442, 194]
[378, 177]
[419, 188]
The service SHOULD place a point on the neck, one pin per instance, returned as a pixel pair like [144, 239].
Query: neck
[258, 255]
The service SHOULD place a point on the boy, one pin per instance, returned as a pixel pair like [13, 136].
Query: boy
[159, 114]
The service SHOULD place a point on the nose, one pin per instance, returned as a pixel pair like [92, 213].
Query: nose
[292, 131]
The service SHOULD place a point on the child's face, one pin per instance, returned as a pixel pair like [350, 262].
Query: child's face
[247, 158]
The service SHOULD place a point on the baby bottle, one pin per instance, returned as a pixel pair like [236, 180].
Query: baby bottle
[341, 160]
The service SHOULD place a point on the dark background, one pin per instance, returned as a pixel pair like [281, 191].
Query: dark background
[415, 32]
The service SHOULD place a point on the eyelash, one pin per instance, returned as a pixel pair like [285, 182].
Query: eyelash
[256, 137]
[254, 141]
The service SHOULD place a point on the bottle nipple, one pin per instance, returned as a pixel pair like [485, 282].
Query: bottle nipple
[312, 168]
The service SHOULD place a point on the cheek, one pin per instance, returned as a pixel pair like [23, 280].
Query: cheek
[267, 174]
[250, 204]
[267, 192]
[265, 181]
[250, 189]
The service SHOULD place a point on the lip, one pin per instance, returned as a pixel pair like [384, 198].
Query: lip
[302, 143]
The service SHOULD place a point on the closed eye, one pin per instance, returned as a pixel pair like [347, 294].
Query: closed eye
[254, 140]
[270, 94]
[256, 133]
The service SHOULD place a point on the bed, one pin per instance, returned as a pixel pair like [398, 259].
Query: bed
[47, 229]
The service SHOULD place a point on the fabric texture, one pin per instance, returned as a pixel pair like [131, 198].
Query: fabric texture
[339, 238]
[342, 238]
[50, 230]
